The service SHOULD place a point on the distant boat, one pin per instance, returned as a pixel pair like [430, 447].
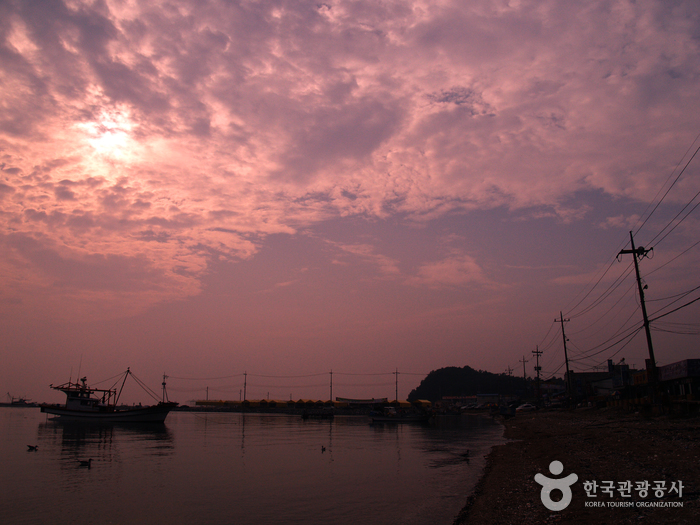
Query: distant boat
[18, 402]
[320, 413]
[391, 415]
[372, 401]
[84, 403]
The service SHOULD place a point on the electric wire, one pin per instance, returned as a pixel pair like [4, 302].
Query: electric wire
[669, 331]
[675, 309]
[205, 378]
[681, 295]
[587, 290]
[546, 336]
[626, 294]
[632, 337]
[676, 300]
[676, 257]
[573, 308]
[289, 377]
[657, 242]
[680, 174]
[259, 385]
[604, 295]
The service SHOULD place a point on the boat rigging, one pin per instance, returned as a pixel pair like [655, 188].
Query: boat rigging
[86, 403]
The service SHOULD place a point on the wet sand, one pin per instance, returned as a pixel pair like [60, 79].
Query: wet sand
[608, 444]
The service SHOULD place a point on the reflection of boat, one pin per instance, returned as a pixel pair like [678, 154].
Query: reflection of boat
[84, 403]
[391, 415]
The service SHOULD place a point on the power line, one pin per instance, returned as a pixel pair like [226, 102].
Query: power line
[676, 257]
[620, 331]
[676, 331]
[546, 335]
[613, 286]
[673, 184]
[633, 335]
[630, 335]
[677, 297]
[205, 378]
[573, 308]
[679, 222]
[680, 217]
[289, 377]
[317, 385]
[676, 309]
[627, 295]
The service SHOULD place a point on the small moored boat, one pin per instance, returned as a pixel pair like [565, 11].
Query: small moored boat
[84, 403]
[391, 415]
[318, 413]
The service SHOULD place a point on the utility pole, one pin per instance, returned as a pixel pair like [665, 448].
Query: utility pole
[537, 369]
[245, 383]
[523, 361]
[640, 253]
[396, 394]
[510, 383]
[566, 355]
[331, 385]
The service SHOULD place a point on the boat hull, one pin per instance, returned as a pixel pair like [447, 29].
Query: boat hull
[152, 414]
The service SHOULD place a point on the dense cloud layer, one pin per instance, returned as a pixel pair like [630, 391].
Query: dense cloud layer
[141, 141]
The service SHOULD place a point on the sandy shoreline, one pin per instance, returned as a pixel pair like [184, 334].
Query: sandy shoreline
[598, 445]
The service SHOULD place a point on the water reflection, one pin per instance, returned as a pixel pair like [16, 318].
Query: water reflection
[452, 440]
[80, 441]
[239, 468]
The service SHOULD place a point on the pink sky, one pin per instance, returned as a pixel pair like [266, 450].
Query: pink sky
[290, 188]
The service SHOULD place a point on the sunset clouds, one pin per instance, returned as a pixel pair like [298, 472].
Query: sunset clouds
[142, 141]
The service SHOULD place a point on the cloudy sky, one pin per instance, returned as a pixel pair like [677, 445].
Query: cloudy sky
[286, 189]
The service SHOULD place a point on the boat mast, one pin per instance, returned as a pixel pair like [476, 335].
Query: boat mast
[165, 393]
[122, 388]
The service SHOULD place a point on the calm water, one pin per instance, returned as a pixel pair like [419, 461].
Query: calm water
[227, 468]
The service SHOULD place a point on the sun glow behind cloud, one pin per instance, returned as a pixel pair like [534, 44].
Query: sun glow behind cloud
[110, 136]
[146, 146]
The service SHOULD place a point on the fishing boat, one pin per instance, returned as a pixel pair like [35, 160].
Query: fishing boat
[17, 402]
[85, 403]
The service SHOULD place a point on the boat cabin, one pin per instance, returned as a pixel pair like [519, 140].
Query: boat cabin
[81, 397]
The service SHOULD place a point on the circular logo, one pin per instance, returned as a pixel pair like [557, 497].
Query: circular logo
[550, 484]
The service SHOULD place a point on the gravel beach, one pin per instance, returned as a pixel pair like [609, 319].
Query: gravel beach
[598, 445]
